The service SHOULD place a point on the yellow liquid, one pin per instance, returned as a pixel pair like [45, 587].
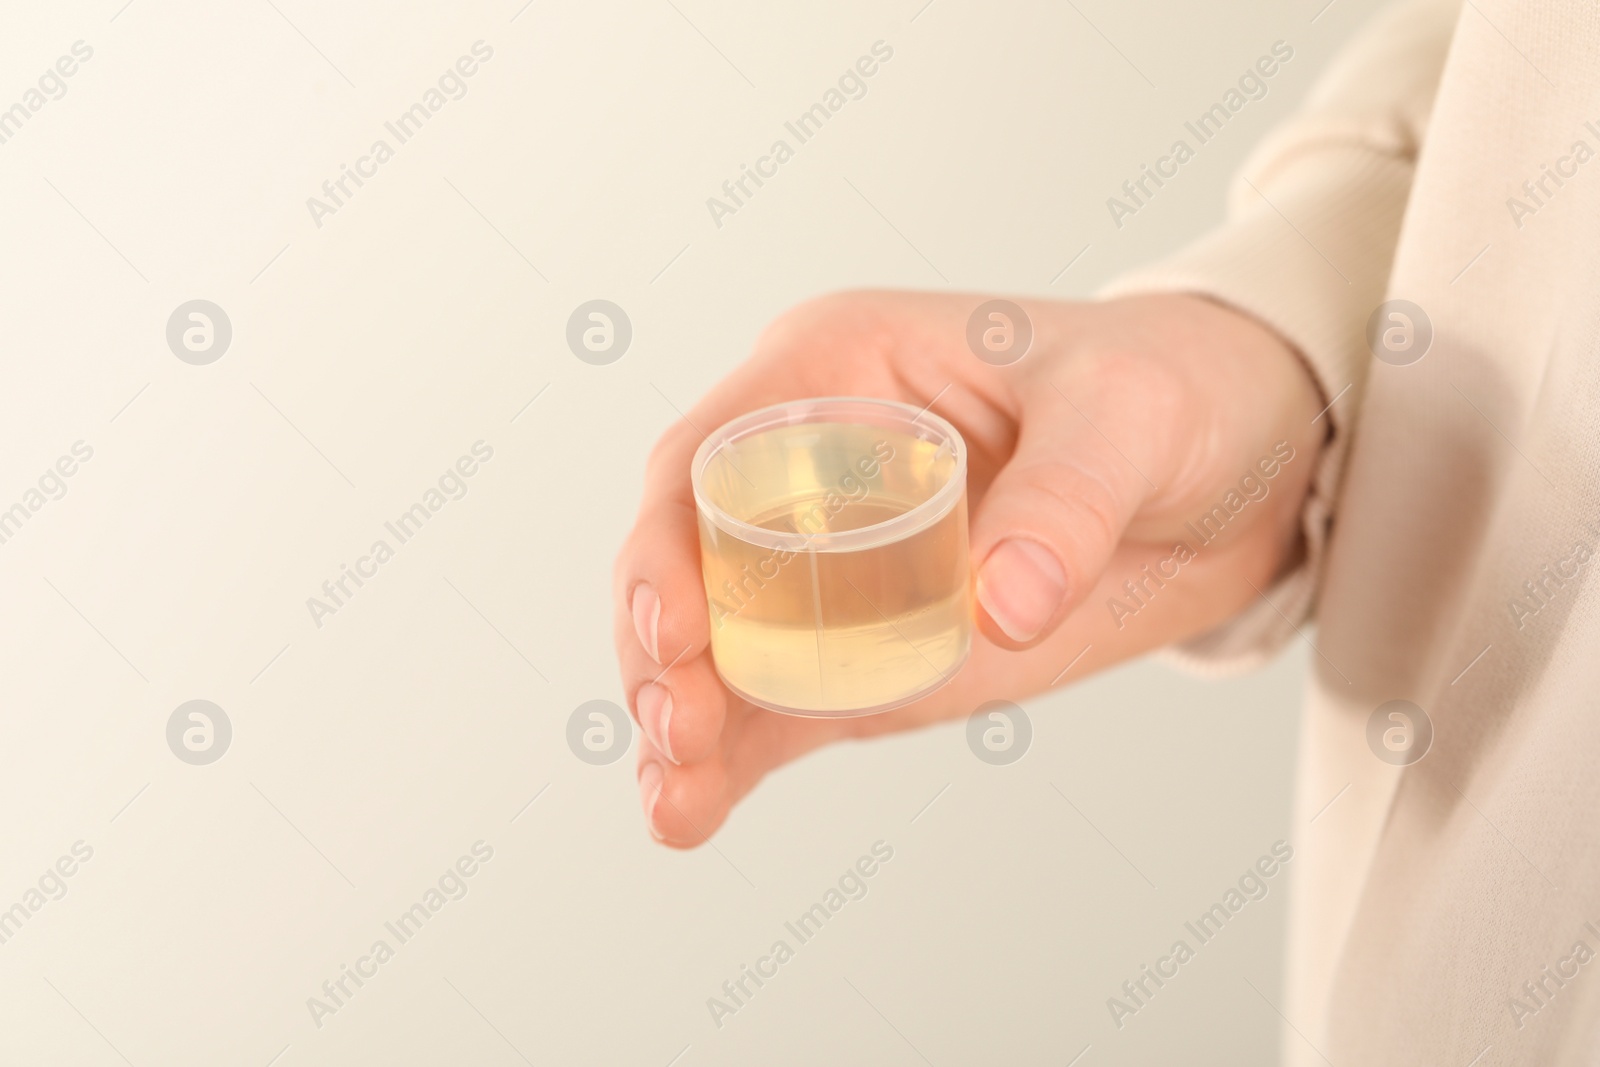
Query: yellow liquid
[824, 631]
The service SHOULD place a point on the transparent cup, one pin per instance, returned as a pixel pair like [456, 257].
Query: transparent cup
[833, 542]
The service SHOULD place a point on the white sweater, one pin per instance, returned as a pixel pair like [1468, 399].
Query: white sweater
[1450, 908]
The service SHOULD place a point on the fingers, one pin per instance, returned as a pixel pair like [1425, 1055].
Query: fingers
[683, 805]
[681, 710]
[662, 631]
[1049, 523]
[681, 706]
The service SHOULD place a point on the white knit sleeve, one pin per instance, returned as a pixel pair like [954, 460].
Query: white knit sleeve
[1313, 220]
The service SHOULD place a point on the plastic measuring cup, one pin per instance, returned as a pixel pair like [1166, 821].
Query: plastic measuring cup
[833, 537]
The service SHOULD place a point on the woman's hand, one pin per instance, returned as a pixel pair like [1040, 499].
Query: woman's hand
[1125, 421]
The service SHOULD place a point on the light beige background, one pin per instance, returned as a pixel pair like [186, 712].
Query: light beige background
[371, 352]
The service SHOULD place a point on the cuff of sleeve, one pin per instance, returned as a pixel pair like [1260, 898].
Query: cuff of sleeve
[1307, 251]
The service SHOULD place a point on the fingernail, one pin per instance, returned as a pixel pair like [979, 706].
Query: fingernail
[650, 776]
[1021, 586]
[646, 608]
[655, 715]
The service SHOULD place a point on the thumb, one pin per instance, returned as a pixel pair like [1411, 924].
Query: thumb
[1047, 526]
